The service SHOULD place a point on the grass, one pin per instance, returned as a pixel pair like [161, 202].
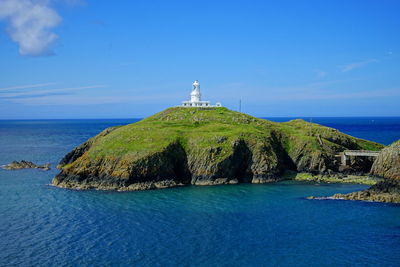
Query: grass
[199, 130]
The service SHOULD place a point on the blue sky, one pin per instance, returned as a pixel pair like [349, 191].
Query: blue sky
[124, 59]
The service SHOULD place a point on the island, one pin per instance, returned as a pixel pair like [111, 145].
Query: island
[208, 146]
[23, 164]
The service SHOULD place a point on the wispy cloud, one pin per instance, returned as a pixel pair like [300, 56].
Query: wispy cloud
[68, 100]
[42, 93]
[357, 65]
[240, 89]
[25, 86]
[325, 90]
[321, 73]
[331, 96]
[30, 24]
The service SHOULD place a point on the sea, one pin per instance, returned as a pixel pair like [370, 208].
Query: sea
[228, 225]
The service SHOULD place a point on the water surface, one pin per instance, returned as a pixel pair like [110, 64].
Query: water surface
[237, 225]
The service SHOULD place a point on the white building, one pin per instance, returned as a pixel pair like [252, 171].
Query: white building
[195, 98]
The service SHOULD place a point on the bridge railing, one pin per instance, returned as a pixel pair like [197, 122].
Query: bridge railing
[361, 151]
[356, 153]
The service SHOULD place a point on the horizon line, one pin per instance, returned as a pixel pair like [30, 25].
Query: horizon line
[141, 118]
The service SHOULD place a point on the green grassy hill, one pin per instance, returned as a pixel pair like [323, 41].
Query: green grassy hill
[204, 146]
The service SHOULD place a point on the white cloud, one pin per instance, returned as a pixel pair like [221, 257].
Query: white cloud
[74, 100]
[357, 65]
[25, 86]
[30, 24]
[317, 95]
[47, 92]
[325, 90]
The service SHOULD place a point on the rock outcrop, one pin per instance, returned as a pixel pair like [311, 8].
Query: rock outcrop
[16, 165]
[182, 146]
[387, 165]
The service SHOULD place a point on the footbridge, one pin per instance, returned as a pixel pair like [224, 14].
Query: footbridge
[344, 156]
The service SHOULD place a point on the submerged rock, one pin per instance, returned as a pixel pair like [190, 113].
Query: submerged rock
[16, 165]
[182, 146]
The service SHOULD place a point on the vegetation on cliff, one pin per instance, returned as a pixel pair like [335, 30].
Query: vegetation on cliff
[181, 146]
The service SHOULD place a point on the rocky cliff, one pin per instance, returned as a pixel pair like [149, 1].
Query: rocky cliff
[387, 165]
[181, 146]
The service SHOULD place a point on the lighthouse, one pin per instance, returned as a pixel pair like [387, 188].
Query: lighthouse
[195, 95]
[195, 98]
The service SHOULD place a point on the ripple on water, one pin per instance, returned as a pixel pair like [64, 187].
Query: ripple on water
[237, 225]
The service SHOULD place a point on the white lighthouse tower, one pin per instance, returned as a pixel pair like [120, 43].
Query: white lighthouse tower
[195, 95]
[195, 98]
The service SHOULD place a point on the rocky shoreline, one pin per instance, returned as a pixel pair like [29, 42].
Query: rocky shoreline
[387, 166]
[304, 177]
[359, 178]
[385, 191]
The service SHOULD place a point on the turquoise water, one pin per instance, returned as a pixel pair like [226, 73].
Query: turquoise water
[239, 225]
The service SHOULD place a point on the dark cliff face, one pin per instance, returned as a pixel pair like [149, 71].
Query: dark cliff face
[182, 146]
[387, 165]
[168, 166]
